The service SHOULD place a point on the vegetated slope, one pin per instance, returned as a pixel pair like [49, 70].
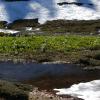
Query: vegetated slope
[49, 9]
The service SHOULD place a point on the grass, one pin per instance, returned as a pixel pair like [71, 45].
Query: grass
[33, 44]
[69, 48]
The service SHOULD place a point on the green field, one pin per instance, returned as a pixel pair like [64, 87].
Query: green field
[47, 43]
[52, 48]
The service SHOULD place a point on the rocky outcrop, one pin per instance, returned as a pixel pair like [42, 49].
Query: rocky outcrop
[75, 3]
[90, 27]
[3, 24]
[21, 23]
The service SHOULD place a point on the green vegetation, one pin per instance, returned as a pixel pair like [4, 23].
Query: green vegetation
[75, 27]
[33, 44]
[14, 91]
[22, 23]
[78, 49]
[3, 24]
[71, 26]
[2, 34]
[50, 48]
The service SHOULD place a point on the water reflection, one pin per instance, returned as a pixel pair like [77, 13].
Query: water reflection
[46, 75]
[20, 71]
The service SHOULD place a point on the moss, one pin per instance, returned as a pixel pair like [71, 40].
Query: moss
[14, 91]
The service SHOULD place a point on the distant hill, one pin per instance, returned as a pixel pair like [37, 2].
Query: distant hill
[49, 9]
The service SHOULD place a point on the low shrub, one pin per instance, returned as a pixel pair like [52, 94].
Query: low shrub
[14, 91]
[2, 34]
[71, 26]
[22, 23]
[3, 24]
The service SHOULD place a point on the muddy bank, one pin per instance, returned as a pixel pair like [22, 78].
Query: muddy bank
[88, 59]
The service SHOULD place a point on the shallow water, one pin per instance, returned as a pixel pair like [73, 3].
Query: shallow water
[46, 76]
[26, 71]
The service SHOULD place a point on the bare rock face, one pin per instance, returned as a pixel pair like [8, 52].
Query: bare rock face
[74, 3]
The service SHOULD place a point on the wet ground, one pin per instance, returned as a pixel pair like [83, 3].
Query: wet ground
[47, 76]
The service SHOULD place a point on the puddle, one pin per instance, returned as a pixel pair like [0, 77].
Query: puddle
[46, 76]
